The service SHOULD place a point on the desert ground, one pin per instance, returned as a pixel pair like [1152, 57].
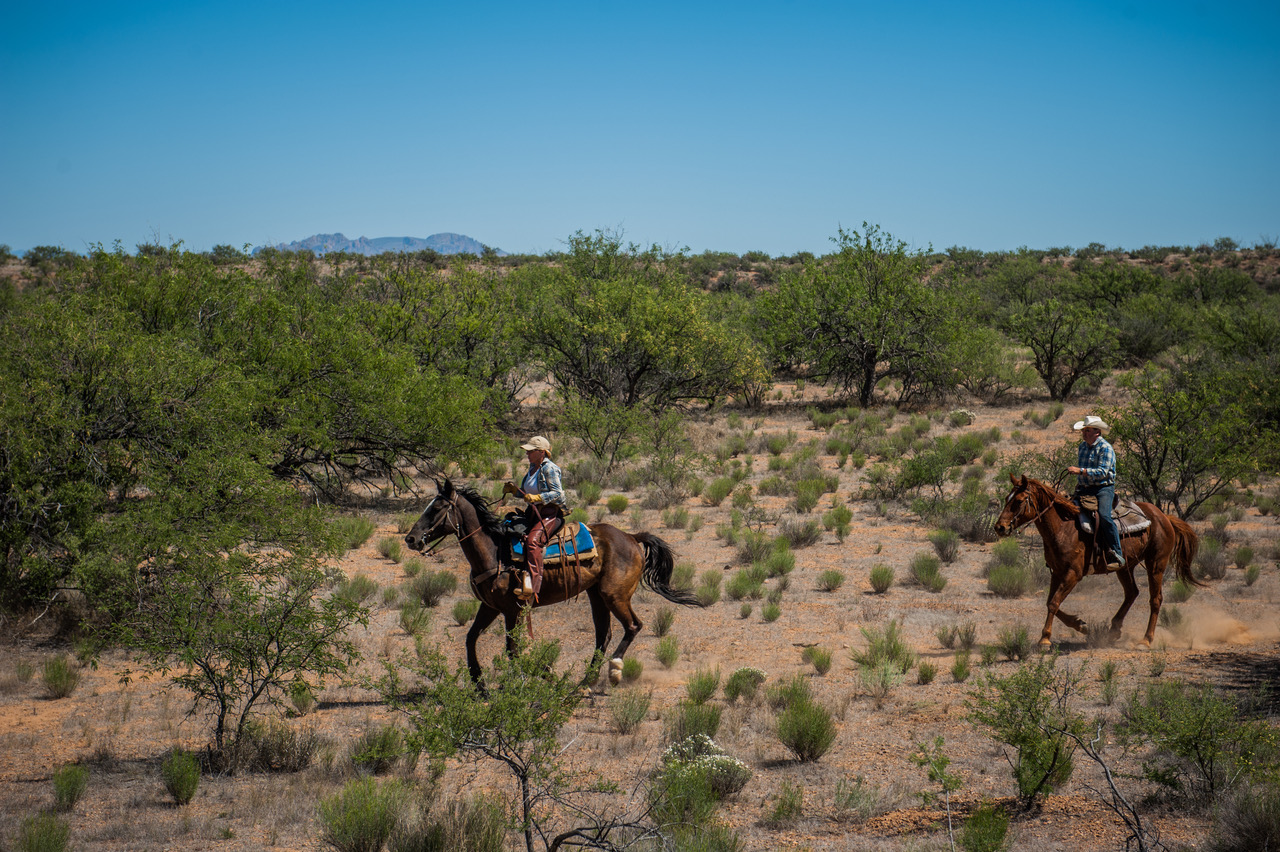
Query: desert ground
[1229, 636]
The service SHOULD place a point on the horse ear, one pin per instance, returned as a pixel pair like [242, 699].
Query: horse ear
[1013, 478]
[446, 488]
[1023, 484]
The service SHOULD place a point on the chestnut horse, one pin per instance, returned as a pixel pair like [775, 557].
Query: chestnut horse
[1070, 557]
[621, 563]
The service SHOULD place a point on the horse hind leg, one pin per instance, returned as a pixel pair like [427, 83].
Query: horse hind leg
[1125, 576]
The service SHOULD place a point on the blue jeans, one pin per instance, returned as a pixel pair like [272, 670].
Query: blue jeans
[1108, 534]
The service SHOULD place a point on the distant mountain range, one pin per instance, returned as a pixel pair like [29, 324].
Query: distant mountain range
[443, 243]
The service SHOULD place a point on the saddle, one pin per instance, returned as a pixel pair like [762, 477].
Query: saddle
[1126, 513]
[572, 543]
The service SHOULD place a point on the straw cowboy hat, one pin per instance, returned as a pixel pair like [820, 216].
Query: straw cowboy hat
[537, 442]
[1092, 422]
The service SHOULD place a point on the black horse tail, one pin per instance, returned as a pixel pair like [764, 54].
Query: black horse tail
[659, 563]
[1184, 550]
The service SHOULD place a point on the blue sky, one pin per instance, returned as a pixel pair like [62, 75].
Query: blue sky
[727, 126]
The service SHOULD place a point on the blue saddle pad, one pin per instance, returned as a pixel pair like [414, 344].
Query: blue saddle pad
[580, 543]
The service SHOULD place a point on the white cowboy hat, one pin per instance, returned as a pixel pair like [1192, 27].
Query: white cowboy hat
[537, 442]
[1092, 422]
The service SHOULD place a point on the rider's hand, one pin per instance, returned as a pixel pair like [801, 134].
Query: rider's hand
[533, 498]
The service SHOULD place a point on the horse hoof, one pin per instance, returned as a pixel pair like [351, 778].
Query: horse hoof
[615, 671]
[1045, 644]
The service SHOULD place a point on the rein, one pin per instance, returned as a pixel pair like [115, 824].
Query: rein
[452, 506]
[1038, 516]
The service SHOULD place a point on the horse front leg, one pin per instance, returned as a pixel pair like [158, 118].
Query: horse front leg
[484, 617]
[1058, 591]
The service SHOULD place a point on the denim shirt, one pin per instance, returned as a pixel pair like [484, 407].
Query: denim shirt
[1098, 462]
[545, 480]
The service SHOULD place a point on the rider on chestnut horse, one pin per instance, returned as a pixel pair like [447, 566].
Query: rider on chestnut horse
[1095, 469]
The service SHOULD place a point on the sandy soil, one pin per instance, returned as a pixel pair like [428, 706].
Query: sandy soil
[1230, 636]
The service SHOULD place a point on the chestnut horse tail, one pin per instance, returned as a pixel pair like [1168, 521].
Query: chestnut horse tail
[658, 565]
[1184, 550]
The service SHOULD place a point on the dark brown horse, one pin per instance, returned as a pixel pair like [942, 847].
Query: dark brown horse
[1070, 557]
[621, 563]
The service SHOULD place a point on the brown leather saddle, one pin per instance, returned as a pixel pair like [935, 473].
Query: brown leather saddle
[1126, 513]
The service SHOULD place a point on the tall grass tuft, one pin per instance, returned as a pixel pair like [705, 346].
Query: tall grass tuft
[946, 543]
[927, 572]
[61, 676]
[362, 816]
[353, 530]
[628, 708]
[44, 832]
[667, 651]
[69, 784]
[881, 578]
[181, 773]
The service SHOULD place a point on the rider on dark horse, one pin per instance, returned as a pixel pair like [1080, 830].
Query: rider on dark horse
[542, 490]
[1095, 469]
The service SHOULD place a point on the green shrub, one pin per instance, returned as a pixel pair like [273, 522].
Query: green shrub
[926, 571]
[431, 587]
[830, 580]
[628, 708]
[770, 612]
[617, 504]
[1211, 559]
[362, 816]
[807, 730]
[354, 530]
[946, 543]
[1205, 748]
[926, 672]
[743, 683]
[879, 681]
[1007, 551]
[380, 750]
[61, 676]
[784, 693]
[838, 520]
[881, 578]
[662, 620]
[689, 718]
[1009, 581]
[465, 609]
[389, 548]
[181, 773]
[301, 697]
[885, 646]
[44, 833]
[1179, 591]
[702, 685]
[412, 567]
[754, 546]
[744, 611]
[708, 591]
[744, 584]
[960, 669]
[682, 576]
[1014, 642]
[632, 668]
[69, 784]
[1251, 574]
[985, 830]
[717, 490]
[676, 519]
[1243, 556]
[357, 589]
[274, 746]
[781, 561]
[818, 657]
[589, 493]
[667, 651]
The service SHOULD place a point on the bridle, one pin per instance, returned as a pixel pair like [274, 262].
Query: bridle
[452, 506]
[1038, 516]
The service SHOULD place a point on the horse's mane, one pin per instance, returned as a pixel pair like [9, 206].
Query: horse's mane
[489, 521]
[1059, 500]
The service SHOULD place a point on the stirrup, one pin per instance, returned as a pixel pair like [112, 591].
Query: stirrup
[525, 592]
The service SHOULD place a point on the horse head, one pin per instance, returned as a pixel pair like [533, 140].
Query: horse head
[441, 518]
[1019, 507]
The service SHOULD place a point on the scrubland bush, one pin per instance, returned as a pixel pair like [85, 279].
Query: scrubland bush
[381, 749]
[667, 651]
[702, 685]
[617, 504]
[743, 683]
[362, 816]
[44, 832]
[830, 580]
[818, 657]
[690, 718]
[61, 676]
[390, 548]
[464, 610]
[662, 621]
[717, 490]
[1009, 581]
[946, 543]
[708, 590]
[881, 578]
[632, 668]
[430, 588]
[69, 785]
[770, 612]
[180, 771]
[355, 530]
[807, 730]
[628, 708]
[926, 572]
